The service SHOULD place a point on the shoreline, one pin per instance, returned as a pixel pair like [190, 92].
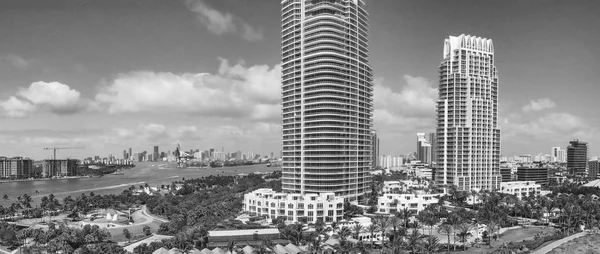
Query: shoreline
[45, 179]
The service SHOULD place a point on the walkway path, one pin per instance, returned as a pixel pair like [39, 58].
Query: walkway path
[145, 213]
[553, 245]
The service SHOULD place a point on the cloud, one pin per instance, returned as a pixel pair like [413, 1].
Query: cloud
[412, 107]
[223, 23]
[16, 61]
[52, 96]
[16, 108]
[60, 98]
[550, 126]
[538, 105]
[234, 92]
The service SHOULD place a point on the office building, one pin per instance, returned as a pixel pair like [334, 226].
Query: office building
[558, 155]
[155, 154]
[130, 153]
[577, 158]
[537, 174]
[16, 167]
[506, 173]
[467, 134]
[423, 149]
[59, 168]
[375, 150]
[327, 98]
[594, 169]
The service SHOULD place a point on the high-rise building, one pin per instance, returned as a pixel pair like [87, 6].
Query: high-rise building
[327, 97]
[468, 137]
[130, 153]
[577, 157]
[16, 167]
[375, 150]
[558, 155]
[65, 167]
[423, 149]
[538, 174]
[432, 143]
[155, 154]
[594, 166]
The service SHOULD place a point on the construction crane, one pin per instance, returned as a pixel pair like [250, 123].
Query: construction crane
[54, 154]
[60, 148]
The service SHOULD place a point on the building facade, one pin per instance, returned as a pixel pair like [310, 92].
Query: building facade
[577, 158]
[423, 149]
[294, 207]
[375, 151]
[521, 189]
[391, 203]
[558, 155]
[16, 167]
[327, 97]
[594, 169]
[59, 168]
[467, 133]
[539, 175]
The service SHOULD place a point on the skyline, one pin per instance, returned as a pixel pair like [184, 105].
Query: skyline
[207, 74]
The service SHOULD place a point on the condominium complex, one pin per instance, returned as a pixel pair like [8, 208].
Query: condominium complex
[16, 167]
[423, 149]
[521, 189]
[467, 133]
[327, 96]
[375, 151]
[58, 168]
[558, 155]
[594, 169]
[577, 157]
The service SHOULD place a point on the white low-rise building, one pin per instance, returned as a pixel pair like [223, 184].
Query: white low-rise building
[521, 189]
[390, 203]
[294, 207]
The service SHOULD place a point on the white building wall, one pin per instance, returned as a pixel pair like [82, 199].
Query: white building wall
[266, 202]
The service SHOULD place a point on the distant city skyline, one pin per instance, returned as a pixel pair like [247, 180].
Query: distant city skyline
[108, 74]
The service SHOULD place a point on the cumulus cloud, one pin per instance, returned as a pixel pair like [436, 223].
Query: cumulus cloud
[413, 105]
[16, 108]
[53, 96]
[221, 23]
[547, 126]
[538, 105]
[234, 92]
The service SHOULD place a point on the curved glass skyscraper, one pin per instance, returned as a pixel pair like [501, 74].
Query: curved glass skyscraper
[467, 133]
[327, 97]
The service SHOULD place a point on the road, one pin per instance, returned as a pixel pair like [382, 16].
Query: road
[553, 245]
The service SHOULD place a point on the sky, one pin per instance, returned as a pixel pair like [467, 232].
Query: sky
[109, 75]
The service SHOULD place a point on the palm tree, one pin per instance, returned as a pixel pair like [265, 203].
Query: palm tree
[383, 222]
[454, 220]
[372, 228]
[358, 228]
[414, 240]
[446, 229]
[405, 215]
[464, 231]
[431, 244]
[344, 233]
[5, 197]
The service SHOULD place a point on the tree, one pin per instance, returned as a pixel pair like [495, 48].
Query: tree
[431, 244]
[147, 231]
[127, 234]
[464, 231]
[414, 239]
[383, 222]
[446, 229]
[344, 233]
[358, 228]
[5, 197]
[405, 215]
[428, 218]
[372, 228]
